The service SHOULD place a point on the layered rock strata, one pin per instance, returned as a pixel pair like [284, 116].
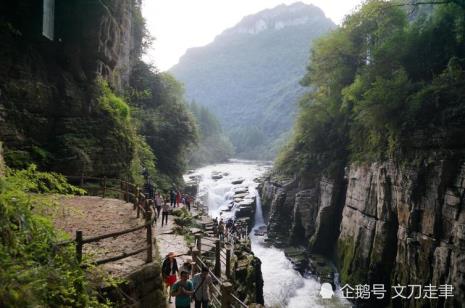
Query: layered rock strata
[383, 223]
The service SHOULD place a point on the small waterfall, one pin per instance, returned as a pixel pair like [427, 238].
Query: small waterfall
[259, 221]
[283, 285]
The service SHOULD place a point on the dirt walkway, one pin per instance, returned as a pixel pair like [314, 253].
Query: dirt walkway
[167, 241]
[97, 216]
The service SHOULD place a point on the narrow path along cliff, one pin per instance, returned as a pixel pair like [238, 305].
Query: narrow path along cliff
[96, 216]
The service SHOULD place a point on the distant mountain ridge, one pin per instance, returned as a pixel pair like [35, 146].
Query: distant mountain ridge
[249, 75]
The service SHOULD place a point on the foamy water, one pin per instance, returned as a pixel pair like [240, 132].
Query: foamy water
[283, 286]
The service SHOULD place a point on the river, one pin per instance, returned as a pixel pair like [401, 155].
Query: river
[283, 286]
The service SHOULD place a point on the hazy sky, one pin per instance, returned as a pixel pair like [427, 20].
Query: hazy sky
[180, 24]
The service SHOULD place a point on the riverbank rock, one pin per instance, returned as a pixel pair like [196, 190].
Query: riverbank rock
[386, 223]
[321, 267]
[240, 195]
[248, 278]
[241, 190]
[216, 175]
[237, 181]
[298, 256]
[191, 187]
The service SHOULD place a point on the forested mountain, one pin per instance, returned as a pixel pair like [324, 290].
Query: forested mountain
[213, 145]
[249, 75]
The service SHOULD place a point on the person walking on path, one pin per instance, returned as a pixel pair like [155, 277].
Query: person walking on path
[169, 269]
[178, 198]
[182, 290]
[202, 284]
[187, 266]
[164, 214]
[188, 202]
[173, 197]
[158, 203]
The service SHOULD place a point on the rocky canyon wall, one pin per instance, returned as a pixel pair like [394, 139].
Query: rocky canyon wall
[49, 109]
[394, 224]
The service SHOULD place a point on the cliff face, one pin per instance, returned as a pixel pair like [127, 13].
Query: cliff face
[49, 111]
[405, 222]
[385, 223]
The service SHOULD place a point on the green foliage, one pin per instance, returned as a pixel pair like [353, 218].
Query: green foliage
[182, 217]
[164, 120]
[33, 272]
[377, 80]
[213, 145]
[143, 158]
[111, 103]
[33, 181]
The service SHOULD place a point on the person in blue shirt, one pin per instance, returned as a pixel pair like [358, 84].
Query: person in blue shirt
[182, 290]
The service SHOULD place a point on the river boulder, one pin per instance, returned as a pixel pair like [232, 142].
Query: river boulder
[237, 181]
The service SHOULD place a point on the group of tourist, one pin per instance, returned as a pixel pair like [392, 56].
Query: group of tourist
[230, 229]
[176, 197]
[182, 288]
[164, 204]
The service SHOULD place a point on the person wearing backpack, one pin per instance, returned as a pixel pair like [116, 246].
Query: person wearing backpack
[202, 284]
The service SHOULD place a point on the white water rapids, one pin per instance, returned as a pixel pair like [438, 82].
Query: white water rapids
[283, 286]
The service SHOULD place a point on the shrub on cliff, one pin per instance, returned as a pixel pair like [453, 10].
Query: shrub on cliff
[112, 103]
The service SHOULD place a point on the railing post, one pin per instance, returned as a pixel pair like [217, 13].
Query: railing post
[217, 259]
[228, 263]
[137, 202]
[198, 240]
[148, 220]
[195, 257]
[104, 186]
[127, 190]
[79, 246]
[226, 298]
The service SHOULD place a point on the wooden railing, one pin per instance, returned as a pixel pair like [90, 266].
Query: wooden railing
[223, 295]
[127, 192]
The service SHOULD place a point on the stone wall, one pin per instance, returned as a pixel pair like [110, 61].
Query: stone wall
[141, 289]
